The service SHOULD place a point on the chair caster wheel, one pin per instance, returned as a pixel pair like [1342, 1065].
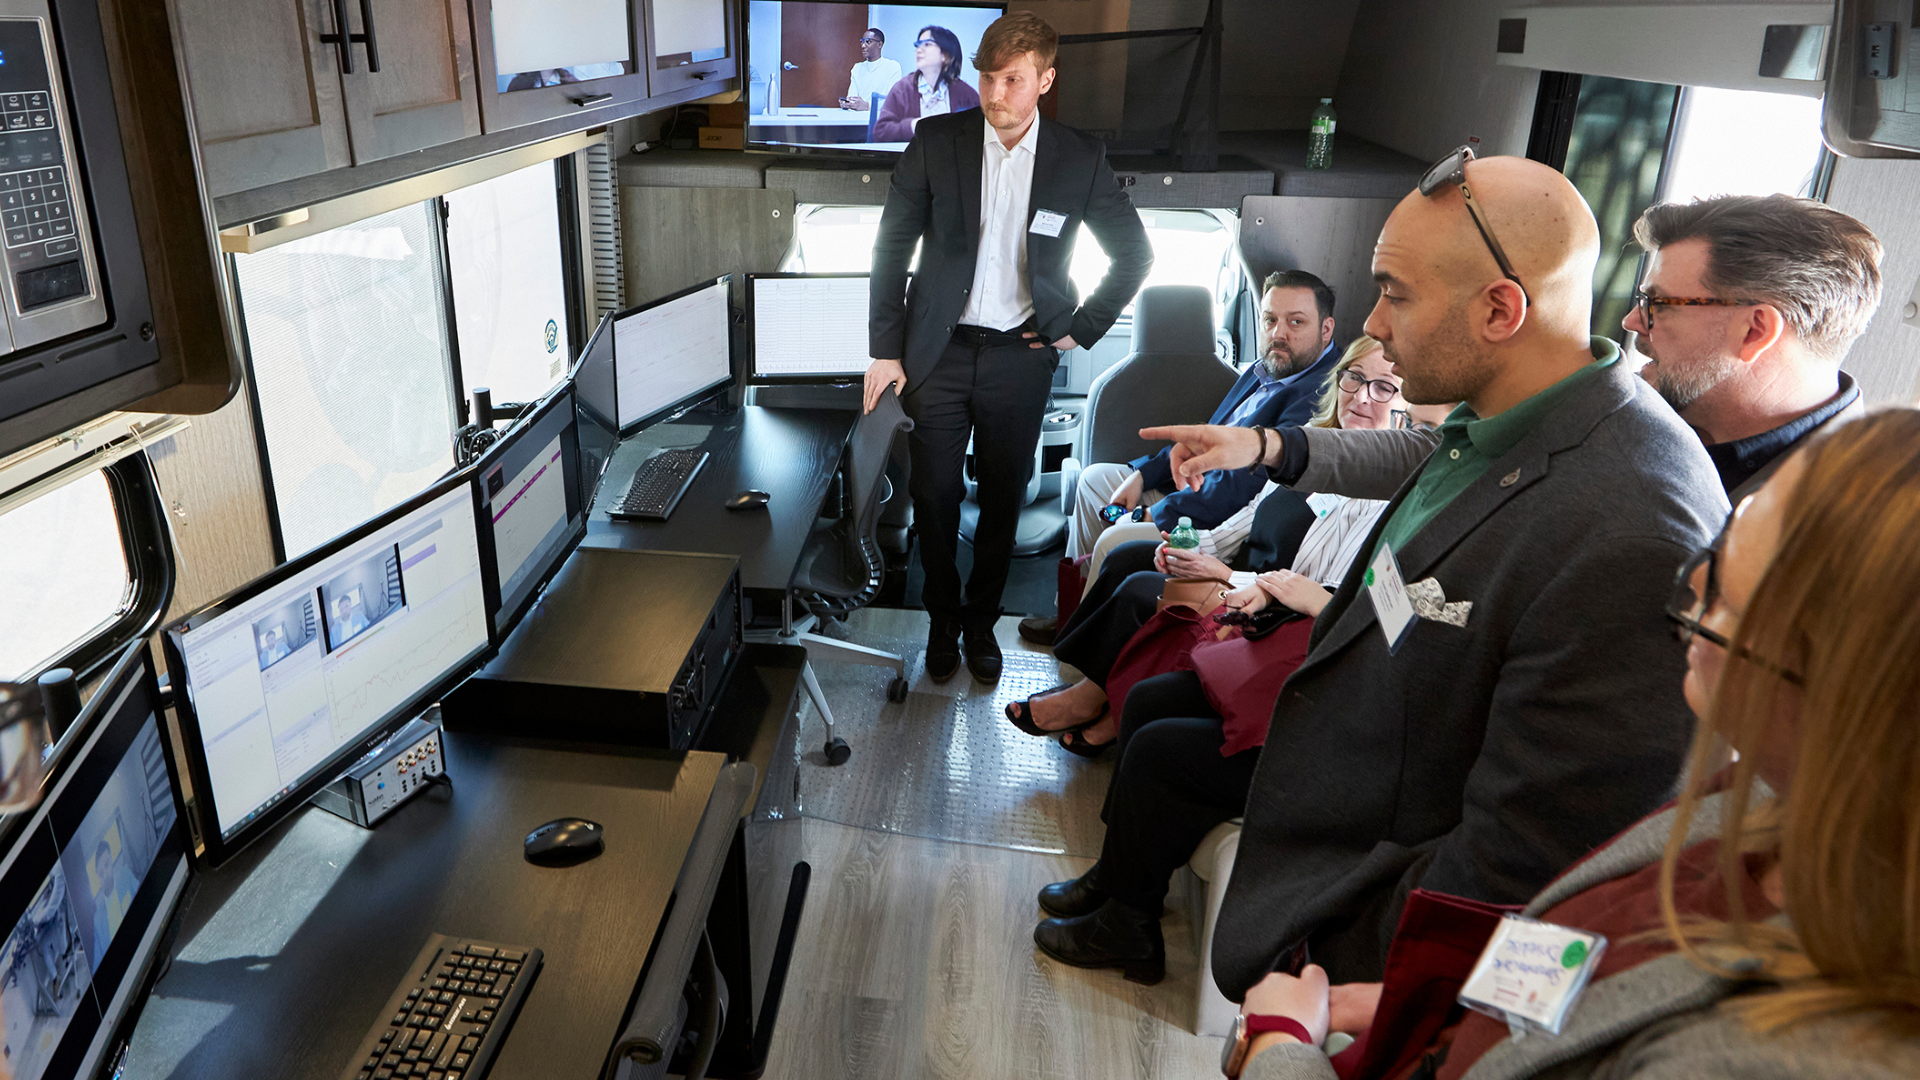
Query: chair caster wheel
[897, 689]
[838, 751]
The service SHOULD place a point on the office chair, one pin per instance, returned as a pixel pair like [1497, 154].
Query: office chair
[841, 568]
[873, 112]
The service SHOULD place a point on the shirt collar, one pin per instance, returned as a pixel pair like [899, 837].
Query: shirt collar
[1497, 434]
[1027, 142]
[1737, 460]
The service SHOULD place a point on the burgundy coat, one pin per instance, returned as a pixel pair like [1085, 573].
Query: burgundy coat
[902, 106]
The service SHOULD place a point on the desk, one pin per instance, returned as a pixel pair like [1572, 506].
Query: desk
[790, 453]
[287, 954]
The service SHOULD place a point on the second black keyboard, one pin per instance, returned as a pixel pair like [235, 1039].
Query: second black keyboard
[658, 485]
[450, 1014]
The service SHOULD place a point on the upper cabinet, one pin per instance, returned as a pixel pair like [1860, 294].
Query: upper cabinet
[690, 43]
[279, 91]
[540, 60]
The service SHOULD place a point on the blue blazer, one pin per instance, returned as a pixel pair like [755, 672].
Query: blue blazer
[1226, 491]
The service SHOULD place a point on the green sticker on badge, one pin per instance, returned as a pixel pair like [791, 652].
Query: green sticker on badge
[1369, 577]
[1575, 955]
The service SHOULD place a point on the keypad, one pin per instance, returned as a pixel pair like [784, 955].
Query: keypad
[35, 204]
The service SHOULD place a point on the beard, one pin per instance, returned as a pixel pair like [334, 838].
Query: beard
[1282, 360]
[1683, 385]
[1450, 368]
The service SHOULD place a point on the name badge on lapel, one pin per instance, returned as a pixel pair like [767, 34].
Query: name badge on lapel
[1390, 601]
[1048, 223]
[1531, 973]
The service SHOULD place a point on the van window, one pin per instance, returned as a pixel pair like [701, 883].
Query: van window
[1743, 142]
[509, 289]
[347, 336]
[65, 577]
[1615, 156]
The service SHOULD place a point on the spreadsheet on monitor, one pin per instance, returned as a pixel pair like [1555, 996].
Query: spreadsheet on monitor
[809, 326]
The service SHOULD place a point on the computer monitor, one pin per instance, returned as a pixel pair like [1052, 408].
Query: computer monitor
[596, 408]
[825, 96]
[532, 508]
[89, 881]
[807, 327]
[672, 352]
[289, 679]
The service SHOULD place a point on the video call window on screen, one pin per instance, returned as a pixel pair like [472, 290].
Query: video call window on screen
[858, 76]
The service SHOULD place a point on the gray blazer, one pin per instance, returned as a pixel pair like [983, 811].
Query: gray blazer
[1655, 1020]
[1481, 760]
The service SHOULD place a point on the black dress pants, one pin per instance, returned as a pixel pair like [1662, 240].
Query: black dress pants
[994, 388]
[1123, 598]
[1171, 787]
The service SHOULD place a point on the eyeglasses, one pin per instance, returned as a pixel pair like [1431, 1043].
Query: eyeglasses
[1379, 390]
[1685, 608]
[1645, 304]
[926, 41]
[870, 41]
[1403, 421]
[1452, 169]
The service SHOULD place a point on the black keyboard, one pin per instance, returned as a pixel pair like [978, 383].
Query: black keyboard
[658, 485]
[450, 1014]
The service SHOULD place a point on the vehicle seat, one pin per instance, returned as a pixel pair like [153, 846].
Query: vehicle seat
[1172, 375]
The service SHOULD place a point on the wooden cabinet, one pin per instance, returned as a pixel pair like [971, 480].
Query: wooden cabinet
[274, 99]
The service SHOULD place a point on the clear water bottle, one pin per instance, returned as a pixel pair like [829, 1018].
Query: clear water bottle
[1320, 143]
[1184, 536]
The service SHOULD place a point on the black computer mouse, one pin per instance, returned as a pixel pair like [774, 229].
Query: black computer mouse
[750, 499]
[565, 842]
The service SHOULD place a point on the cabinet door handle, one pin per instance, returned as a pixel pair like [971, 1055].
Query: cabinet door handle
[343, 39]
[592, 99]
[372, 43]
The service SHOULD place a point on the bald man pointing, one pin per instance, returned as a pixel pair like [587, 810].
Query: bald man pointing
[1493, 691]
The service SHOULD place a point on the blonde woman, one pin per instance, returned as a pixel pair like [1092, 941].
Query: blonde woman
[1769, 923]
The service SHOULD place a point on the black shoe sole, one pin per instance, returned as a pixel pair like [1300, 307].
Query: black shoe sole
[1144, 972]
[943, 676]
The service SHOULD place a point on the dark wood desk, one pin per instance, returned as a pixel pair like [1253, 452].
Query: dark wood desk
[790, 453]
[287, 954]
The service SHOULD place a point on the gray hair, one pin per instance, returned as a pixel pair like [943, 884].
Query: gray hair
[1818, 267]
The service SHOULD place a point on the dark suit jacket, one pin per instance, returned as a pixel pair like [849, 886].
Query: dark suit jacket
[1227, 490]
[935, 200]
[1482, 760]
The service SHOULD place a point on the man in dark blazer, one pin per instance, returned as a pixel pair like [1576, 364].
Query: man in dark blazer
[994, 197]
[1531, 707]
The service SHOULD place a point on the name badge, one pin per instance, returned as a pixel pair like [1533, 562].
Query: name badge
[1531, 973]
[1048, 223]
[1390, 600]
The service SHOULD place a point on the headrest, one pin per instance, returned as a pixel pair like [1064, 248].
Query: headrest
[1173, 319]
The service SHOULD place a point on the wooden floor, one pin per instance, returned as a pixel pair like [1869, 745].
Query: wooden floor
[915, 958]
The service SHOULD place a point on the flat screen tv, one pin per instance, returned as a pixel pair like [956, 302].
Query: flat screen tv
[852, 79]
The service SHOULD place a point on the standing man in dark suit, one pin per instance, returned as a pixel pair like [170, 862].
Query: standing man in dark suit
[994, 196]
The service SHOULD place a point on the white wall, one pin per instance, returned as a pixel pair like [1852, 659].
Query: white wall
[1420, 78]
[1883, 193]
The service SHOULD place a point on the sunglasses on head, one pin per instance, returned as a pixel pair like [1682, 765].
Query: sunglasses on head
[1452, 169]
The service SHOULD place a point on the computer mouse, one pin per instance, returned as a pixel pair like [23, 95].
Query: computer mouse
[565, 842]
[750, 499]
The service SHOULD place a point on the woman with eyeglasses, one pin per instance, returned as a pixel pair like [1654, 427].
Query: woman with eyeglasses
[1768, 923]
[1362, 393]
[933, 87]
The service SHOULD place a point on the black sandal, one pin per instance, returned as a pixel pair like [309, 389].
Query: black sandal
[1080, 746]
[1020, 715]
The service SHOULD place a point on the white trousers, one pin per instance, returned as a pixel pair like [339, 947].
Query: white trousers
[1095, 489]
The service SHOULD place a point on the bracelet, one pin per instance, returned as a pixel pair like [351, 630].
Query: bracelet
[1262, 459]
[1285, 1025]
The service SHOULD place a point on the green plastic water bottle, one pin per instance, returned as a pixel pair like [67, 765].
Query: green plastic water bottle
[1320, 143]
[1183, 536]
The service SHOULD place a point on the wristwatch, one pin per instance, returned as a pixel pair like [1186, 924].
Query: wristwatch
[1234, 1058]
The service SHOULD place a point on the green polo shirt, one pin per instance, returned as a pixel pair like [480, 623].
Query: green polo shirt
[1468, 445]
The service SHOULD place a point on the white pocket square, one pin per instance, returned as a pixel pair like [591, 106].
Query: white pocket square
[1430, 602]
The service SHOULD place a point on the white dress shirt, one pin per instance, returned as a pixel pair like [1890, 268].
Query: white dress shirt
[1001, 298]
[872, 77]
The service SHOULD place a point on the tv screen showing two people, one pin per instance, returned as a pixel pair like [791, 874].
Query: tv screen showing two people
[858, 76]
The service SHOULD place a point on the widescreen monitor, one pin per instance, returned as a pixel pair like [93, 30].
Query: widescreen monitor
[846, 78]
[808, 327]
[672, 352]
[289, 679]
[532, 508]
[596, 408]
[89, 882]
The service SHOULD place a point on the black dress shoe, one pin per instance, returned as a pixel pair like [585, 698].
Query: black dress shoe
[1040, 629]
[1115, 935]
[1071, 899]
[943, 650]
[983, 653]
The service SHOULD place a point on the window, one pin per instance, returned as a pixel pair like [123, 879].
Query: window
[1743, 142]
[509, 288]
[1615, 156]
[65, 578]
[347, 335]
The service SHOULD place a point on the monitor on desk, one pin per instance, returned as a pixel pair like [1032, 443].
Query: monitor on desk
[672, 352]
[88, 882]
[807, 327]
[596, 408]
[835, 69]
[533, 509]
[290, 678]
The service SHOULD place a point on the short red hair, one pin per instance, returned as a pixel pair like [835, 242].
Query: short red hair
[1013, 34]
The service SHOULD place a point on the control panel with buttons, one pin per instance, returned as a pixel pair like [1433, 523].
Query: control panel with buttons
[393, 773]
